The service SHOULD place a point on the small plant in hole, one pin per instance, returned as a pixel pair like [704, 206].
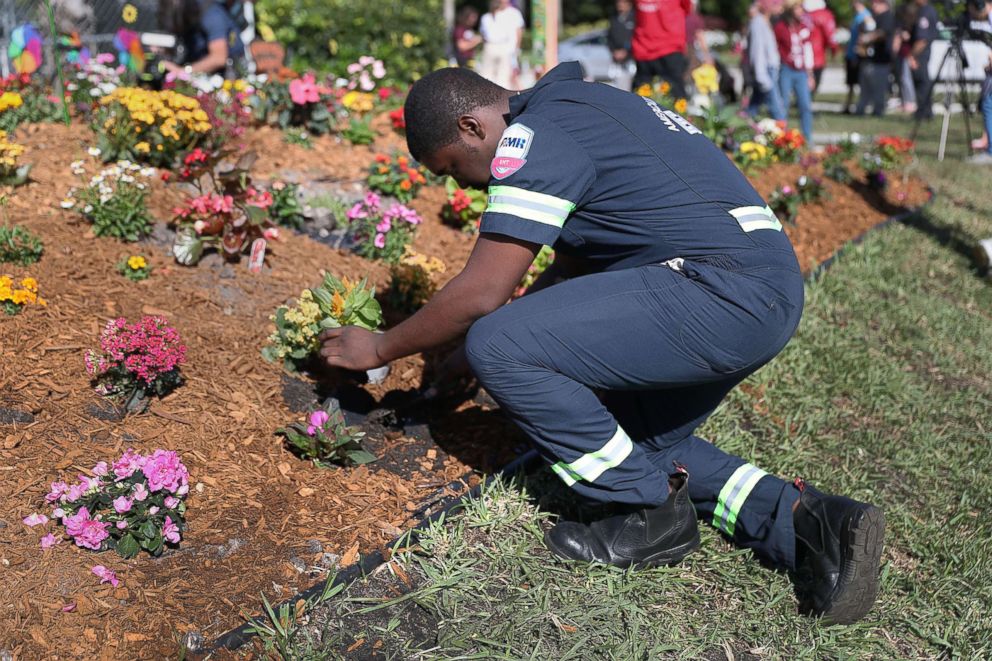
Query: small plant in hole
[136, 361]
[135, 268]
[358, 132]
[286, 209]
[19, 246]
[298, 136]
[811, 190]
[325, 439]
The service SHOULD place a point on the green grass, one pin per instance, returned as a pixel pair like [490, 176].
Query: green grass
[885, 394]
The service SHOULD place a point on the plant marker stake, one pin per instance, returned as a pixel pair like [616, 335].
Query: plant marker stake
[257, 256]
[58, 62]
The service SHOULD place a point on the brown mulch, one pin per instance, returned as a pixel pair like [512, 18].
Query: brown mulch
[253, 506]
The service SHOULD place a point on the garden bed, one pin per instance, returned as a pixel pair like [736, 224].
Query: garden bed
[260, 520]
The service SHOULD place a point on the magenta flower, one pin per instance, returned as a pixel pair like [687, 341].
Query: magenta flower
[379, 241]
[50, 540]
[384, 226]
[357, 211]
[164, 470]
[35, 520]
[170, 530]
[122, 505]
[106, 575]
[87, 532]
[317, 421]
[129, 462]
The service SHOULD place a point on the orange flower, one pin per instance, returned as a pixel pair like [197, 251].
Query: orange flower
[406, 185]
[383, 169]
[402, 161]
[337, 305]
[381, 158]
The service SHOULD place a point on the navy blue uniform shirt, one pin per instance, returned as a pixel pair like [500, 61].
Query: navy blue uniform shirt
[610, 176]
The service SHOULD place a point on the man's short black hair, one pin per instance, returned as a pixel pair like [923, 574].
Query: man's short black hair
[435, 103]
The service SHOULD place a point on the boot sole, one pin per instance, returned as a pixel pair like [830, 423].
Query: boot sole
[667, 557]
[861, 540]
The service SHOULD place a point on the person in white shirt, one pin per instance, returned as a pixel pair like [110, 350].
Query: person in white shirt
[502, 29]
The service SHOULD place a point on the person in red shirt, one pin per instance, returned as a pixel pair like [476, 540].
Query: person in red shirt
[822, 38]
[795, 47]
[659, 43]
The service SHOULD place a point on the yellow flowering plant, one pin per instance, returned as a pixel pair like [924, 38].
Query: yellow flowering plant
[135, 268]
[13, 297]
[24, 99]
[332, 304]
[149, 126]
[751, 155]
[413, 281]
[12, 173]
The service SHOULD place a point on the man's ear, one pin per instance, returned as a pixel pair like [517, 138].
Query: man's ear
[470, 126]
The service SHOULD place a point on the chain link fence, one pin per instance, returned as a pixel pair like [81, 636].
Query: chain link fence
[95, 22]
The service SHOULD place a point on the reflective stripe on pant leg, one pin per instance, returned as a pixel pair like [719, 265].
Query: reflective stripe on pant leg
[590, 466]
[733, 495]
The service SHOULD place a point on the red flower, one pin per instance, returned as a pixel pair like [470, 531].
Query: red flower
[398, 119]
[166, 175]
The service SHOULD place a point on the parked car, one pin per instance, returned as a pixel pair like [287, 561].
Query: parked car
[590, 50]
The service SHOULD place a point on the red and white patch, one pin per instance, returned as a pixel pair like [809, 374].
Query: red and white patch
[511, 153]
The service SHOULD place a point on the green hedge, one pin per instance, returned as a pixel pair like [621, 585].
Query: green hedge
[327, 35]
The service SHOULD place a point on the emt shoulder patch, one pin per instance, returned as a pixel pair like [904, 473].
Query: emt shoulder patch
[511, 153]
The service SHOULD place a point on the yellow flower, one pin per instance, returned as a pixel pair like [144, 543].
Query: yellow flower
[706, 79]
[409, 41]
[143, 147]
[136, 262]
[30, 284]
[664, 87]
[644, 90]
[10, 100]
[681, 106]
[754, 151]
[129, 13]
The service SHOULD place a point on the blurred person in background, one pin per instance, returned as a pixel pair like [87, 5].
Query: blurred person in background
[764, 61]
[793, 34]
[852, 60]
[621, 31]
[905, 16]
[207, 32]
[695, 33]
[983, 14]
[659, 43]
[502, 31]
[876, 63]
[922, 35]
[823, 37]
[464, 39]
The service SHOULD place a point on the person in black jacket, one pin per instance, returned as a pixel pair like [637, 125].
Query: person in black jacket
[621, 31]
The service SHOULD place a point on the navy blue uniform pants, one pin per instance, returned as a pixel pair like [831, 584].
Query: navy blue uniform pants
[610, 374]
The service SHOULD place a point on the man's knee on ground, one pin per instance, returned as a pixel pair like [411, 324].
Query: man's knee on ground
[482, 347]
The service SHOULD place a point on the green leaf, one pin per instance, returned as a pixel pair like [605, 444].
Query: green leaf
[360, 457]
[127, 546]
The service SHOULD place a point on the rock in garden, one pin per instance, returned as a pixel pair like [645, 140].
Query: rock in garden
[330, 560]
[12, 416]
[299, 564]
[192, 641]
[314, 546]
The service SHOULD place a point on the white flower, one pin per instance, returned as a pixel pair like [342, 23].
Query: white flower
[97, 180]
[147, 172]
[141, 186]
[94, 92]
[127, 179]
[68, 203]
[104, 199]
[88, 208]
[94, 151]
[855, 138]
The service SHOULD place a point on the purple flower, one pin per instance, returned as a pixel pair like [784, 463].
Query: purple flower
[317, 421]
[357, 211]
[74, 493]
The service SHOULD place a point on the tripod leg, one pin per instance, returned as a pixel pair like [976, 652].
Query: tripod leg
[927, 100]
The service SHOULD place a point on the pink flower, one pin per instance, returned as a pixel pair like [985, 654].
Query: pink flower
[57, 491]
[74, 493]
[170, 530]
[357, 211]
[104, 58]
[87, 532]
[164, 470]
[122, 504]
[198, 226]
[129, 462]
[121, 525]
[88, 483]
[787, 190]
[153, 509]
[100, 469]
[106, 575]
[58, 513]
[271, 233]
[384, 226]
[260, 199]
[379, 241]
[35, 520]
[50, 540]
[354, 68]
[304, 90]
[365, 82]
[171, 502]
[372, 200]
[140, 492]
[317, 421]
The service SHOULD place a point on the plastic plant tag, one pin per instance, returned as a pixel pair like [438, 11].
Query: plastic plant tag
[257, 256]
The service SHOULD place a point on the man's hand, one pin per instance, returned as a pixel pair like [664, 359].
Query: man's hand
[620, 55]
[351, 348]
[811, 82]
[913, 64]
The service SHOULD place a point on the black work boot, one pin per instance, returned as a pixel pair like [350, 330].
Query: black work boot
[637, 537]
[838, 550]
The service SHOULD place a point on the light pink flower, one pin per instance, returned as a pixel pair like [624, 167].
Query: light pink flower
[58, 513]
[354, 68]
[106, 575]
[87, 532]
[379, 241]
[35, 520]
[153, 509]
[140, 492]
[57, 491]
[129, 462]
[304, 90]
[74, 493]
[198, 226]
[171, 502]
[271, 233]
[122, 504]
[183, 490]
[384, 225]
[50, 540]
[100, 469]
[121, 525]
[170, 530]
[260, 199]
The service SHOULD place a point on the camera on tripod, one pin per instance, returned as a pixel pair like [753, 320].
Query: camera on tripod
[972, 20]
